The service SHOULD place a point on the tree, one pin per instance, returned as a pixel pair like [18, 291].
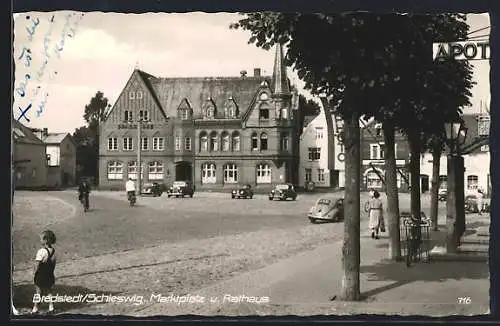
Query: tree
[363, 69]
[87, 137]
[307, 108]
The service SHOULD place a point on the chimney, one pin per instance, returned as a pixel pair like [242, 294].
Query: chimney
[256, 72]
[243, 73]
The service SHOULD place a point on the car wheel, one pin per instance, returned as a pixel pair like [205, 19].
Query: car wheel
[270, 198]
[313, 221]
[232, 196]
[191, 195]
[250, 197]
[293, 198]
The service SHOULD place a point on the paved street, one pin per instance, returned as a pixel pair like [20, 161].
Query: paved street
[161, 245]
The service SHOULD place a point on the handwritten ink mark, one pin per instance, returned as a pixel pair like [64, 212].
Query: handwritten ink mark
[52, 18]
[32, 30]
[23, 113]
[41, 106]
[28, 58]
[21, 90]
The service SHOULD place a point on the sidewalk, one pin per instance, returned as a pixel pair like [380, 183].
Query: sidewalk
[304, 284]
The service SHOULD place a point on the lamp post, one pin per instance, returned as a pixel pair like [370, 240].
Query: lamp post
[139, 170]
[455, 133]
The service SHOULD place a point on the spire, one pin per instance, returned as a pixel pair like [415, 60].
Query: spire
[280, 80]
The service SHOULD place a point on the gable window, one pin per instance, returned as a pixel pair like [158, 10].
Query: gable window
[184, 114]
[263, 113]
[128, 144]
[187, 143]
[128, 116]
[263, 141]
[255, 142]
[308, 175]
[225, 141]
[284, 141]
[112, 144]
[319, 133]
[144, 144]
[263, 173]
[158, 143]
[230, 173]
[314, 153]
[131, 95]
[139, 95]
[115, 170]
[177, 143]
[377, 151]
[214, 143]
[203, 141]
[472, 182]
[155, 171]
[208, 173]
[144, 115]
[321, 175]
[236, 141]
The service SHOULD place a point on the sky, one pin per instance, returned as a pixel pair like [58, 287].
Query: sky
[74, 55]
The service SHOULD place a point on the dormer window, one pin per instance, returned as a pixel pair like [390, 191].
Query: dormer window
[231, 109]
[264, 113]
[184, 114]
[184, 110]
[210, 109]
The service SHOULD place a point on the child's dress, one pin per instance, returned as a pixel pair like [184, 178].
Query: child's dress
[44, 275]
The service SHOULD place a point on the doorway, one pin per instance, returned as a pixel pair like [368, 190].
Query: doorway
[183, 171]
[424, 183]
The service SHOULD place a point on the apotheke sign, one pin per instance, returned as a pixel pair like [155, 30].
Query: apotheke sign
[468, 50]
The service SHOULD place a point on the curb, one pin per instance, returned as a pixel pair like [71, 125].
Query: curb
[465, 256]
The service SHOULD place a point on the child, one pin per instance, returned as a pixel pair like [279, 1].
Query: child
[44, 268]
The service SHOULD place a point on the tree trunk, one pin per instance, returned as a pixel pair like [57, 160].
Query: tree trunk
[415, 150]
[391, 192]
[351, 248]
[436, 162]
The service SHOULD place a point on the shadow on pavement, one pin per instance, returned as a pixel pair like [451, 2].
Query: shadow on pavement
[400, 275]
[23, 297]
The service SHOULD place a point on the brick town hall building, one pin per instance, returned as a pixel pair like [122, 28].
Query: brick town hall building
[218, 132]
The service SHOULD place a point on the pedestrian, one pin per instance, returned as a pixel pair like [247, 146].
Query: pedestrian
[84, 193]
[367, 204]
[376, 214]
[479, 200]
[45, 263]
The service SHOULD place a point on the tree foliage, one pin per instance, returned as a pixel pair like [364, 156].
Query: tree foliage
[307, 108]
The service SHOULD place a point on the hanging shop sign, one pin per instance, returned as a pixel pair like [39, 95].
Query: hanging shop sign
[467, 50]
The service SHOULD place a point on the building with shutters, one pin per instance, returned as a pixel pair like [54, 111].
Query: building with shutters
[219, 132]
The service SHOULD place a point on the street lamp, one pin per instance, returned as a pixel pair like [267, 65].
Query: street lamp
[456, 133]
[139, 169]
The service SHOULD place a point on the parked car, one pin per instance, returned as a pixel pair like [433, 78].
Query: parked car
[155, 189]
[283, 192]
[442, 194]
[327, 209]
[471, 205]
[243, 192]
[181, 189]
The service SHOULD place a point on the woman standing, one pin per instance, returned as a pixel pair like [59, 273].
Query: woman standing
[376, 213]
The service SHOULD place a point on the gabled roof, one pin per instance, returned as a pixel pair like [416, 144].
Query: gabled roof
[308, 119]
[54, 138]
[471, 122]
[23, 134]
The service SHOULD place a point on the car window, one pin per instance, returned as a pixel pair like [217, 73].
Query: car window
[324, 202]
[282, 187]
[179, 184]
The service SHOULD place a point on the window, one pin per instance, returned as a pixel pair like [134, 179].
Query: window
[472, 182]
[373, 180]
[131, 95]
[128, 116]
[203, 141]
[208, 173]
[155, 171]
[177, 143]
[264, 113]
[236, 141]
[187, 143]
[443, 181]
[284, 141]
[128, 144]
[321, 175]
[314, 153]
[263, 141]
[483, 126]
[225, 141]
[230, 173]
[112, 144]
[255, 142]
[319, 133]
[263, 173]
[158, 143]
[139, 95]
[308, 175]
[377, 151]
[284, 113]
[264, 96]
[132, 170]
[230, 111]
[214, 144]
[144, 115]
[145, 144]
[115, 170]
[210, 112]
[184, 114]
[396, 151]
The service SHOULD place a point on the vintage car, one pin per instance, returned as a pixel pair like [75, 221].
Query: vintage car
[181, 189]
[243, 192]
[442, 194]
[327, 209]
[471, 204]
[155, 189]
[283, 192]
